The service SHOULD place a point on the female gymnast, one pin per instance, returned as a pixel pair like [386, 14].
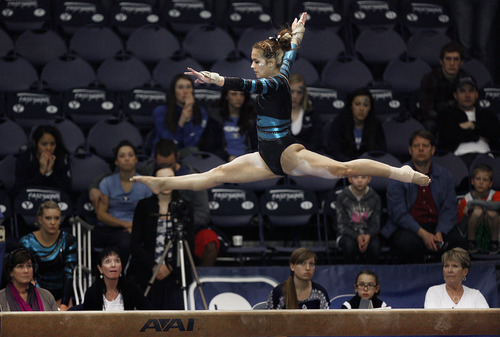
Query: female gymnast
[279, 153]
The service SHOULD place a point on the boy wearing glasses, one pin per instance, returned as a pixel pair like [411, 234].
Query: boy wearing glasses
[358, 221]
[367, 289]
[478, 211]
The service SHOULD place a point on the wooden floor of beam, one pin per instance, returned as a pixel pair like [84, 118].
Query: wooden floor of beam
[390, 322]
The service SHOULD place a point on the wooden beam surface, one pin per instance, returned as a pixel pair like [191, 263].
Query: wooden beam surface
[390, 322]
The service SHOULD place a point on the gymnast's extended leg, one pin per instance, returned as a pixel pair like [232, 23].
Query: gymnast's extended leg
[243, 169]
[297, 160]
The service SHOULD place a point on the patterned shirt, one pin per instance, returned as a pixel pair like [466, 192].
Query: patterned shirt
[318, 299]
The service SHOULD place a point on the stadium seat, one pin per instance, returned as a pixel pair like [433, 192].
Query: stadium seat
[421, 15]
[166, 69]
[457, 168]
[105, 135]
[123, 72]
[33, 107]
[405, 74]
[139, 103]
[6, 43]
[378, 46]
[70, 16]
[205, 38]
[489, 97]
[321, 46]
[18, 16]
[386, 102]
[427, 45]
[307, 70]
[16, 74]
[321, 14]
[8, 172]
[477, 69]
[85, 168]
[240, 15]
[234, 209]
[290, 211]
[12, 137]
[95, 43]
[89, 104]
[182, 16]
[128, 15]
[28, 200]
[367, 15]
[346, 74]
[40, 46]
[397, 132]
[67, 72]
[152, 43]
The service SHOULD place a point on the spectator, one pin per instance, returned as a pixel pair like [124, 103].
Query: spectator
[231, 132]
[306, 125]
[45, 162]
[356, 130]
[165, 152]
[465, 128]
[367, 290]
[358, 220]
[111, 292]
[479, 208]
[453, 294]
[153, 228]
[21, 294]
[437, 87]
[115, 210]
[182, 120]
[422, 220]
[55, 252]
[299, 292]
[207, 242]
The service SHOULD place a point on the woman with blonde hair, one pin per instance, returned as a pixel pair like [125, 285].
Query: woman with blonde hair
[453, 294]
[306, 126]
[55, 252]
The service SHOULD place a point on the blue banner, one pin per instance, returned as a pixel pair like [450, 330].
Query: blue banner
[401, 286]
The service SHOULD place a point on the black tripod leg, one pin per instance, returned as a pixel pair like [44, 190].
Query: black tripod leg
[153, 277]
[195, 273]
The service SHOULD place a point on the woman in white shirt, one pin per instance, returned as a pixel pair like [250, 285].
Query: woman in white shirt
[453, 294]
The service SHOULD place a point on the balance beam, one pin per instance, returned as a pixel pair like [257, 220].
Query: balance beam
[390, 322]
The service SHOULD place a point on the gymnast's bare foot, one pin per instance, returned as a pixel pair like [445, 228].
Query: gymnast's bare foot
[155, 184]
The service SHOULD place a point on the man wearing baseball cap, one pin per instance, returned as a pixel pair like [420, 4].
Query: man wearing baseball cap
[465, 128]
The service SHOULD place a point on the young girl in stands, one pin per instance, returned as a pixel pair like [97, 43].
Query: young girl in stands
[367, 289]
[298, 291]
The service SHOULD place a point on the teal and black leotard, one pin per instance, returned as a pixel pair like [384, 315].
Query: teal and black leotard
[274, 108]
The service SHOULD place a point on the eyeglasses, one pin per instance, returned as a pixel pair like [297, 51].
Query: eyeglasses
[367, 286]
[304, 264]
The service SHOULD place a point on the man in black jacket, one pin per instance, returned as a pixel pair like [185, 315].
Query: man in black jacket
[465, 128]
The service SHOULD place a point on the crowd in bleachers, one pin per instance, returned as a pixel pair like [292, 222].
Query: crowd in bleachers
[96, 73]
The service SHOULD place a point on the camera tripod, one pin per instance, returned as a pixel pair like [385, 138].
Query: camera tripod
[182, 245]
